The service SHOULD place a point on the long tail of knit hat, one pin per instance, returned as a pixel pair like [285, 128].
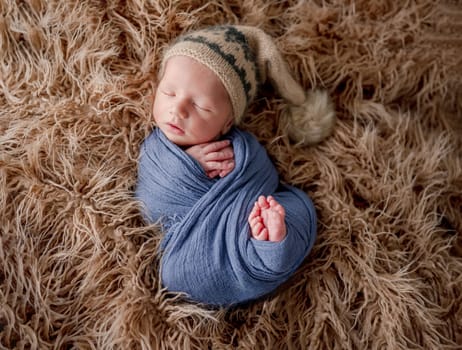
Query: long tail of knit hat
[244, 57]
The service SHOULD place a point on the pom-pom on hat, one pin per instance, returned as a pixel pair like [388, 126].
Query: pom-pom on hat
[244, 57]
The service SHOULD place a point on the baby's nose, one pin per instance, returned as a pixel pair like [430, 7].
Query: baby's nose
[180, 110]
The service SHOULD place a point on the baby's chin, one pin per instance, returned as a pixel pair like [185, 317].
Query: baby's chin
[178, 140]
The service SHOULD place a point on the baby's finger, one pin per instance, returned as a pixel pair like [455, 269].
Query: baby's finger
[227, 165]
[212, 173]
[220, 165]
[216, 146]
[223, 173]
[223, 154]
[208, 166]
[227, 168]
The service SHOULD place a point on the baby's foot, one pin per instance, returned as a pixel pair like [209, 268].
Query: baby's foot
[266, 220]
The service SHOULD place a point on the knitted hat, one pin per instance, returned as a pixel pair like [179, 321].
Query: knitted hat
[243, 58]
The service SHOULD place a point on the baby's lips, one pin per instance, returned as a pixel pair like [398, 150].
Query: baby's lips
[175, 128]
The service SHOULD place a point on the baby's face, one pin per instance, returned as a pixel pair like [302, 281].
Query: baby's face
[191, 105]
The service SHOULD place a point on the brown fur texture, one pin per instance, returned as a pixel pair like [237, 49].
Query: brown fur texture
[79, 269]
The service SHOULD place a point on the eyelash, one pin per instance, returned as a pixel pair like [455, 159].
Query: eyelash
[171, 94]
[201, 108]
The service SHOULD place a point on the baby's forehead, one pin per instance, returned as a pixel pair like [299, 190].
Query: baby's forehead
[178, 69]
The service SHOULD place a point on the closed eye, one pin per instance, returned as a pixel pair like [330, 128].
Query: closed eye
[202, 108]
[168, 93]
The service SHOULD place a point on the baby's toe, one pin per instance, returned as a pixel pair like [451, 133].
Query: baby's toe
[256, 228]
[276, 206]
[254, 221]
[280, 209]
[262, 202]
[262, 235]
[255, 213]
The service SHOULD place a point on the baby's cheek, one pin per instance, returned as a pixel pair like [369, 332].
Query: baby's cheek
[157, 111]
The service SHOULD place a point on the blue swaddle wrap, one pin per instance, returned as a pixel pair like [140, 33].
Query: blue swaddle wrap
[207, 251]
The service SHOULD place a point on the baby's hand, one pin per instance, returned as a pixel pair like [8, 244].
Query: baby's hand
[217, 157]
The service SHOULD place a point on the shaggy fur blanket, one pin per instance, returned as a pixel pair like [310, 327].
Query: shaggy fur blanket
[79, 269]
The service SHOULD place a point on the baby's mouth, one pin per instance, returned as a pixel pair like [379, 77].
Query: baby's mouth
[175, 129]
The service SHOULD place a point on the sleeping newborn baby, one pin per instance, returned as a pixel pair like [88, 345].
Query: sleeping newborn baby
[233, 232]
